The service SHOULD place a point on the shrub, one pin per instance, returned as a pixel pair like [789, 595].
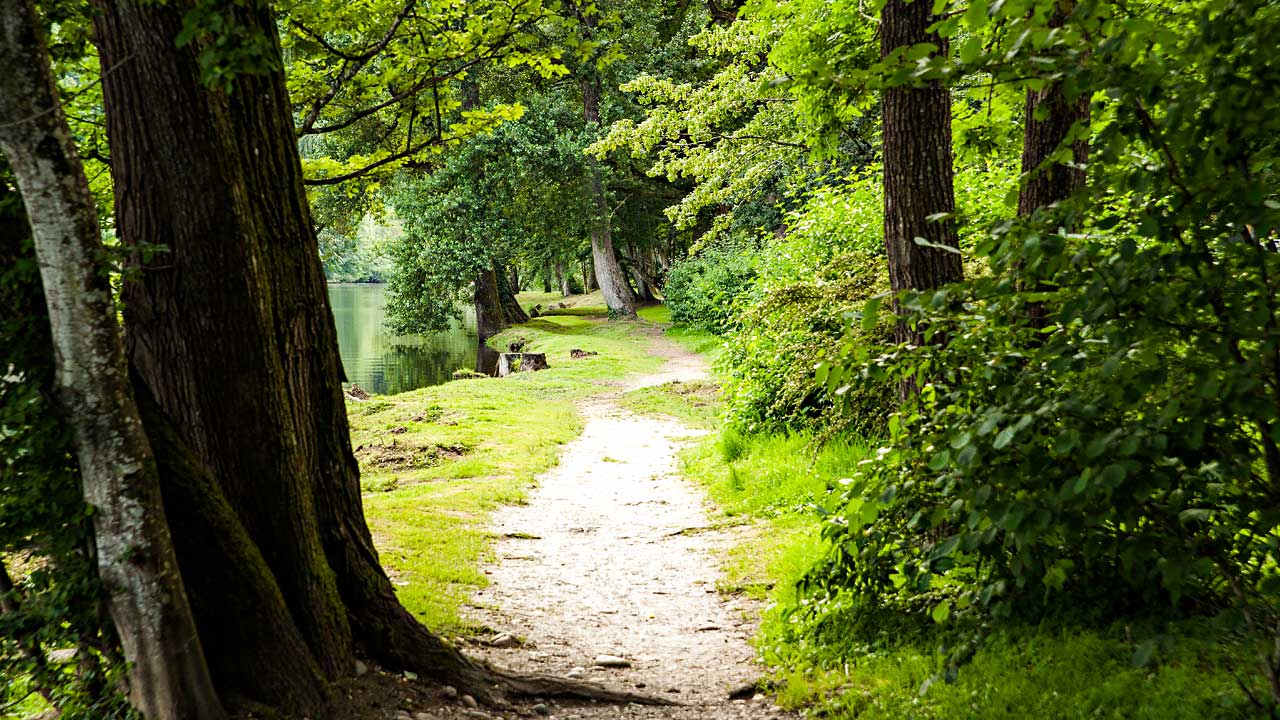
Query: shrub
[703, 291]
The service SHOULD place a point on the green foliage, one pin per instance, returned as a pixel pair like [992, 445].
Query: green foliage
[702, 291]
[1123, 455]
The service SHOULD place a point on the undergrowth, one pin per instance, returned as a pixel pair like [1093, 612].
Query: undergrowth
[833, 660]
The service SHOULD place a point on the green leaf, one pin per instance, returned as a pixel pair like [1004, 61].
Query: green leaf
[941, 612]
[940, 460]
[871, 313]
[1004, 438]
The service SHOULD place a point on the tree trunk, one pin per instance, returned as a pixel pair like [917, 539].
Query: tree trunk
[562, 279]
[613, 281]
[489, 320]
[168, 674]
[640, 274]
[917, 167]
[1048, 118]
[512, 312]
[1047, 121]
[218, 191]
[546, 276]
[589, 283]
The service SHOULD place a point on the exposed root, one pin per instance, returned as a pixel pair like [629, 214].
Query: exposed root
[545, 686]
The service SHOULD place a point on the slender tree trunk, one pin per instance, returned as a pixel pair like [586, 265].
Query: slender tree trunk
[546, 276]
[562, 279]
[917, 166]
[489, 320]
[1048, 118]
[589, 283]
[168, 674]
[613, 281]
[1047, 121]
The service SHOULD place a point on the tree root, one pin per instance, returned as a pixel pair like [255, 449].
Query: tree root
[545, 686]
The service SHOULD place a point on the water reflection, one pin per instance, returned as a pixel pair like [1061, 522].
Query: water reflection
[383, 363]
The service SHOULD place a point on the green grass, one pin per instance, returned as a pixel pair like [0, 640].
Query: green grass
[695, 403]
[435, 462]
[695, 340]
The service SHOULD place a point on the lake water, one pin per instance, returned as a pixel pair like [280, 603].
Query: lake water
[384, 363]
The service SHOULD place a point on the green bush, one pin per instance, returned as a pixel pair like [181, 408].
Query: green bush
[703, 291]
[795, 313]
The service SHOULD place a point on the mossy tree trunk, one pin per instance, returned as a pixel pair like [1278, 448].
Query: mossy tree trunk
[231, 332]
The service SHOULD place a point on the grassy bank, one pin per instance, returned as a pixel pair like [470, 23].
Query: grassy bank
[436, 461]
[821, 663]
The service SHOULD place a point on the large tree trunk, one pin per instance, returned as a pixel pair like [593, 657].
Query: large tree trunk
[202, 324]
[168, 674]
[489, 321]
[917, 166]
[613, 281]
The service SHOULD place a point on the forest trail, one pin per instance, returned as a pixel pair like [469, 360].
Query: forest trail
[614, 554]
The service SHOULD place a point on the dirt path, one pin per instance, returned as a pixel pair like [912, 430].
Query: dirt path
[613, 556]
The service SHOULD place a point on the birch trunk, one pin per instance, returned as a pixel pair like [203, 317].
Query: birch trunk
[168, 674]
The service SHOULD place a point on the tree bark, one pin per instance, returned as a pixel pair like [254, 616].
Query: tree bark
[1047, 182]
[168, 674]
[589, 283]
[562, 279]
[489, 320]
[1042, 136]
[512, 312]
[191, 175]
[917, 167]
[613, 281]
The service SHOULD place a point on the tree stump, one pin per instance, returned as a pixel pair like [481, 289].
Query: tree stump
[514, 362]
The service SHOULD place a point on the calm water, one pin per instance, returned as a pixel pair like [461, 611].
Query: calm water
[383, 363]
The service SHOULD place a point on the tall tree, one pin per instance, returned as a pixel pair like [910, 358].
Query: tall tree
[232, 335]
[918, 173]
[618, 295]
[168, 675]
[597, 54]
